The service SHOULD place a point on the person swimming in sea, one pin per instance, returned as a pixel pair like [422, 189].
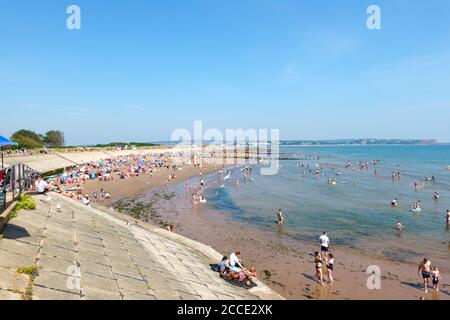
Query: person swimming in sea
[436, 196]
[399, 226]
[448, 217]
[394, 202]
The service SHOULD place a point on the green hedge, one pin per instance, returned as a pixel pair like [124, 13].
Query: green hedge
[26, 203]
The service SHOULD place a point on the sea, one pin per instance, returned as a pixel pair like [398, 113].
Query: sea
[356, 212]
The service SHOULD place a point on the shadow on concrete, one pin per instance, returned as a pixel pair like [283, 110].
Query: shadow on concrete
[15, 232]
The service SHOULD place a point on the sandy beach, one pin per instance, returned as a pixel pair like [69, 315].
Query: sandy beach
[285, 264]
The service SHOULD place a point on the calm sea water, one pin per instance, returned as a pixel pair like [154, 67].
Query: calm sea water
[356, 212]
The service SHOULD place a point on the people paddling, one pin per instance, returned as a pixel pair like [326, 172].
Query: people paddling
[280, 216]
[394, 202]
[436, 196]
[399, 226]
[416, 206]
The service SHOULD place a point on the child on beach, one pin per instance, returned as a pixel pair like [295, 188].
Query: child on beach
[435, 277]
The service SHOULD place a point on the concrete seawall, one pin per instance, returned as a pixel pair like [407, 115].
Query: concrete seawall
[85, 253]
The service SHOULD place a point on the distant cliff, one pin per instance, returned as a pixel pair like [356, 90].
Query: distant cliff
[358, 142]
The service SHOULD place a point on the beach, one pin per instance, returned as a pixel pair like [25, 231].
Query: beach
[284, 263]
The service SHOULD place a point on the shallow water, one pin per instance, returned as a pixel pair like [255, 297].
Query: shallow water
[356, 212]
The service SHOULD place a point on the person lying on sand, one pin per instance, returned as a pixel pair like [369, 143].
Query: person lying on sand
[243, 276]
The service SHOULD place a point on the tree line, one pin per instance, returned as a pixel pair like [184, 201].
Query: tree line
[29, 139]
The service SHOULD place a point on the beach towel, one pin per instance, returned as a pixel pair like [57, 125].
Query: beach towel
[215, 267]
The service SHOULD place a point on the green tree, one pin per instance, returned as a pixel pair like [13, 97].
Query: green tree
[27, 139]
[54, 138]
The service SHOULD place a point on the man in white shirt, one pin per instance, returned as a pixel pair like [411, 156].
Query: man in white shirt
[234, 260]
[42, 186]
[324, 244]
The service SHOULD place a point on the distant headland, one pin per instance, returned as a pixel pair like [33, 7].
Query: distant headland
[359, 142]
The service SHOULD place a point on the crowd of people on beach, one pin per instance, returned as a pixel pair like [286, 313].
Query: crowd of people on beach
[70, 183]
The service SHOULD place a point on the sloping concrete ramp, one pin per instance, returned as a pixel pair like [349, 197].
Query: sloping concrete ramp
[84, 253]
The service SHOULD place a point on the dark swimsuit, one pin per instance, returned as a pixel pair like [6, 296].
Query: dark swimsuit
[330, 266]
[435, 279]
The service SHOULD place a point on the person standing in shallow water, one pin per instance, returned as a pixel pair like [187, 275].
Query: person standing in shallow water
[425, 268]
[280, 216]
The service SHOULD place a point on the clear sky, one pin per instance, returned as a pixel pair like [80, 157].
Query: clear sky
[139, 69]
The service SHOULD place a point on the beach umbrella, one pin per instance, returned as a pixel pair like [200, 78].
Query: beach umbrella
[5, 142]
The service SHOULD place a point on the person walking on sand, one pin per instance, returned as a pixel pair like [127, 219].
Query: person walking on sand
[324, 244]
[435, 277]
[318, 261]
[280, 216]
[425, 268]
[330, 266]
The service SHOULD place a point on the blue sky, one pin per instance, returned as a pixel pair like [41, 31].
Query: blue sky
[139, 69]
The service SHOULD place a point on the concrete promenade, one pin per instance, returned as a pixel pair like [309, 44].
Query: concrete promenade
[83, 253]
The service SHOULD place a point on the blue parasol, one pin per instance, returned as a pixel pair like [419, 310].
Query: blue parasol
[5, 142]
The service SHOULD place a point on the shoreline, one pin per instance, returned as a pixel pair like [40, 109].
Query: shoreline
[284, 264]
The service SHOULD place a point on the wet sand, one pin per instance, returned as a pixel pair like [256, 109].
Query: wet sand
[283, 263]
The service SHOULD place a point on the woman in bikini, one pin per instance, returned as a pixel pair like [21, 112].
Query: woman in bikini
[330, 266]
[318, 262]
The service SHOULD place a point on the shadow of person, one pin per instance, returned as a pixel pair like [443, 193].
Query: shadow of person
[13, 231]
